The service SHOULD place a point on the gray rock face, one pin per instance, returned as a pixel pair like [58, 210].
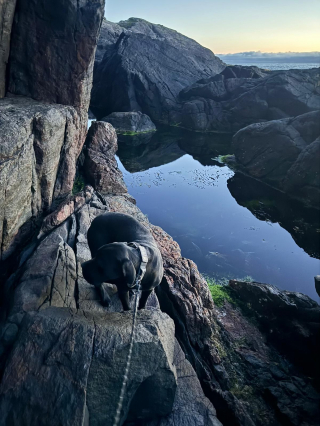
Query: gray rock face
[109, 34]
[145, 67]
[130, 122]
[7, 8]
[100, 166]
[229, 104]
[32, 175]
[190, 406]
[61, 39]
[75, 358]
[284, 153]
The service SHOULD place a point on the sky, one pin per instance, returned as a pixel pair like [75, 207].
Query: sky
[230, 26]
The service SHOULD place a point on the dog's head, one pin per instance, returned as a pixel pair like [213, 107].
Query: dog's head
[111, 265]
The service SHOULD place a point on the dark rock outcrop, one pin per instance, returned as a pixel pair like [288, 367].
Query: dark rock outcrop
[145, 67]
[290, 320]
[284, 153]
[52, 50]
[229, 104]
[7, 8]
[162, 82]
[239, 71]
[100, 167]
[134, 122]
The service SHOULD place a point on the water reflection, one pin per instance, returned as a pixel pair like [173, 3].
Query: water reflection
[231, 225]
[154, 149]
[270, 205]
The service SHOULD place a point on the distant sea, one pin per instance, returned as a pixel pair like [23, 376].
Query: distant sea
[273, 66]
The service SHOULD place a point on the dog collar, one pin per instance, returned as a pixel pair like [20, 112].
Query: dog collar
[143, 264]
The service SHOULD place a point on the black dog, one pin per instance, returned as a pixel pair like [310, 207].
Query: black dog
[114, 262]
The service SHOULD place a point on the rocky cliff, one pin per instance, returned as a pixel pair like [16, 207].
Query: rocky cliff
[43, 118]
[174, 80]
[142, 66]
[246, 357]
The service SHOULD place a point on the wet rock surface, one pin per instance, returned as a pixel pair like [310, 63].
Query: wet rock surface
[144, 68]
[284, 153]
[130, 122]
[100, 166]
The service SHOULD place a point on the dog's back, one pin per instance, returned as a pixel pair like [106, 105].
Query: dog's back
[116, 227]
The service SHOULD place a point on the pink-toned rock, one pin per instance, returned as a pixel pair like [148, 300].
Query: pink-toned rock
[53, 47]
[65, 210]
[100, 165]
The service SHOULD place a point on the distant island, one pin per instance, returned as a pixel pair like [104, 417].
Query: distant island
[257, 56]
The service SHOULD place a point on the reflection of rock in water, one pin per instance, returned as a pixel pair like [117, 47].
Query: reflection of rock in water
[135, 140]
[268, 204]
[143, 151]
[205, 146]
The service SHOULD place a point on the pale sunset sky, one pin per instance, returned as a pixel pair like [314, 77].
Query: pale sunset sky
[230, 26]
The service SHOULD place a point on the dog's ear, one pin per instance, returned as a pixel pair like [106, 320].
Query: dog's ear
[129, 271]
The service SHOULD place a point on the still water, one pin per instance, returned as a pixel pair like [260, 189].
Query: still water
[231, 225]
[272, 65]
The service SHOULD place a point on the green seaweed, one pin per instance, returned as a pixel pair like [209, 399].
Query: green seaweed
[220, 291]
[131, 133]
[225, 158]
[78, 184]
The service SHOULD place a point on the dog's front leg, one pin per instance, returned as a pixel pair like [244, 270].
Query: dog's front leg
[144, 298]
[124, 297]
[105, 298]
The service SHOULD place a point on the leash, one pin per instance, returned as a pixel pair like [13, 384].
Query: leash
[136, 289]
